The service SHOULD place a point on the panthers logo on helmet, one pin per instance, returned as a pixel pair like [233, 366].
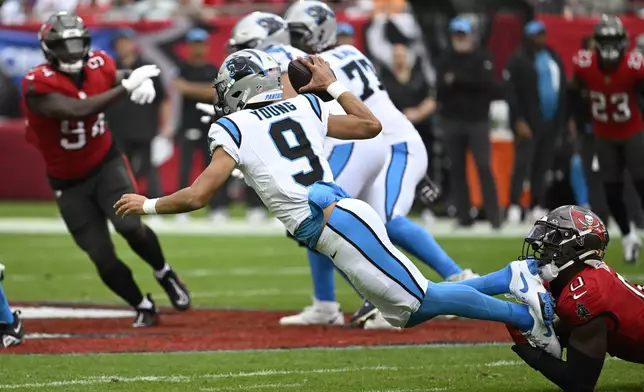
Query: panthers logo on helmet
[239, 67]
[318, 13]
[272, 25]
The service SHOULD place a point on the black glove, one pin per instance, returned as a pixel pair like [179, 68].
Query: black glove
[428, 191]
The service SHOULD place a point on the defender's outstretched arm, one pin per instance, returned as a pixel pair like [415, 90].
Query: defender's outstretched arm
[584, 362]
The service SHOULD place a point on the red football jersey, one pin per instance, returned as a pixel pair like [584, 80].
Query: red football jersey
[613, 96]
[71, 149]
[601, 292]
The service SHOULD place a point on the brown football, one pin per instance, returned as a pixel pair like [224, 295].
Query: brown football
[300, 76]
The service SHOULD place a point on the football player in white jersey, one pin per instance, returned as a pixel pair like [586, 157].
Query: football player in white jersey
[313, 29]
[355, 164]
[278, 146]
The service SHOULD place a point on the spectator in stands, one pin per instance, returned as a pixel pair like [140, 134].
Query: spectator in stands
[346, 34]
[466, 86]
[134, 126]
[536, 93]
[13, 12]
[194, 83]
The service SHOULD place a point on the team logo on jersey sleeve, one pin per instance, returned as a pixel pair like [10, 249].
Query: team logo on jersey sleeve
[583, 313]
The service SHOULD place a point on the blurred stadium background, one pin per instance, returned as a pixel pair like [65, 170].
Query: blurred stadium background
[233, 255]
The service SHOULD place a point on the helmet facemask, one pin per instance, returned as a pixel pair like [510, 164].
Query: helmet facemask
[301, 36]
[610, 50]
[69, 54]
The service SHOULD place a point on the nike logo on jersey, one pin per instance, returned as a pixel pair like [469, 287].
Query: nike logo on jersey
[549, 331]
[333, 254]
[524, 289]
[577, 296]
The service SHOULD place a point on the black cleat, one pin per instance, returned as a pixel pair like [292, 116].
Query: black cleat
[176, 290]
[146, 317]
[360, 317]
[12, 334]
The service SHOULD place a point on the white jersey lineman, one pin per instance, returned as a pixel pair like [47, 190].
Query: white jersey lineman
[393, 192]
[280, 150]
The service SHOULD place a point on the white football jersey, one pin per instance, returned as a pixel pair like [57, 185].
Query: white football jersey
[284, 54]
[354, 70]
[280, 150]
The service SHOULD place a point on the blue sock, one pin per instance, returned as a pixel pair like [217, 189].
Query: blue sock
[492, 284]
[5, 311]
[578, 181]
[322, 270]
[465, 301]
[414, 239]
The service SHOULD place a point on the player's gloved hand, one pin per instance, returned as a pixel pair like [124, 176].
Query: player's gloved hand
[212, 112]
[145, 93]
[140, 75]
[428, 191]
[1, 272]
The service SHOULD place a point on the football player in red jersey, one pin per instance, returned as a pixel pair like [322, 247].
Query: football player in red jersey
[611, 77]
[64, 100]
[600, 312]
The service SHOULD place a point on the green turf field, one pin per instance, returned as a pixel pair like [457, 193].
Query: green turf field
[465, 369]
[258, 272]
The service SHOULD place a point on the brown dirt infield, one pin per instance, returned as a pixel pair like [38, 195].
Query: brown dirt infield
[232, 330]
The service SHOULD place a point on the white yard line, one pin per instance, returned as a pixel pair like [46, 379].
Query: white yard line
[256, 293]
[441, 228]
[502, 363]
[408, 390]
[253, 386]
[184, 379]
[191, 273]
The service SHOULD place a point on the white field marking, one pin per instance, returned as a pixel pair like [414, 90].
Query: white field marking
[52, 312]
[407, 390]
[37, 336]
[272, 350]
[256, 293]
[440, 228]
[184, 379]
[253, 386]
[193, 273]
[502, 363]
